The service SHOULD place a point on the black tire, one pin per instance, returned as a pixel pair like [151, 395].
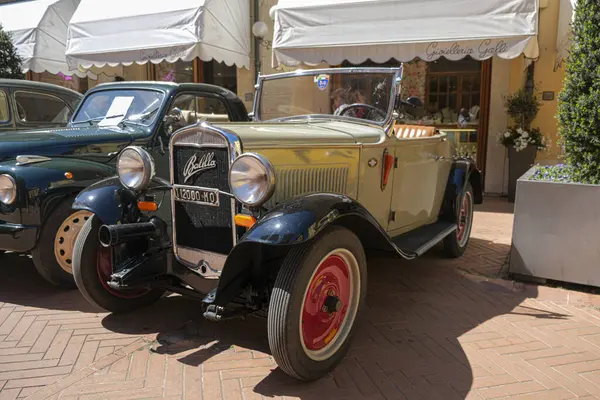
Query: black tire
[43, 256]
[453, 246]
[287, 303]
[85, 271]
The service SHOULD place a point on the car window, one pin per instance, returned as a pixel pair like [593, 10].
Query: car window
[4, 114]
[197, 108]
[36, 107]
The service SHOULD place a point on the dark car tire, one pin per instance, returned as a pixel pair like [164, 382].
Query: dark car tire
[456, 243]
[87, 267]
[44, 258]
[295, 344]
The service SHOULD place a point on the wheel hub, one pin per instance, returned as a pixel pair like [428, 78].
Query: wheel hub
[330, 304]
[464, 218]
[64, 241]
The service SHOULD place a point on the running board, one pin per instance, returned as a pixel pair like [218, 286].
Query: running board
[424, 238]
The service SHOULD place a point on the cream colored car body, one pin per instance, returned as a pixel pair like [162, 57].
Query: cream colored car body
[337, 156]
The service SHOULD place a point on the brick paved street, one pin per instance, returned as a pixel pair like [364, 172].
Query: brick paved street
[433, 329]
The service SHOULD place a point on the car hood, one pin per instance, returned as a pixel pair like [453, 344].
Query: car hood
[63, 141]
[334, 132]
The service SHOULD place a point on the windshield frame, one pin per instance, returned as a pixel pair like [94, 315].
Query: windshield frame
[91, 93]
[395, 73]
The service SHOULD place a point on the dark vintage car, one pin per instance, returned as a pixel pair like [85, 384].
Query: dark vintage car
[26, 105]
[41, 171]
[275, 217]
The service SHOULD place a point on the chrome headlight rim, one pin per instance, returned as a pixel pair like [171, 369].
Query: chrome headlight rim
[147, 165]
[270, 179]
[13, 193]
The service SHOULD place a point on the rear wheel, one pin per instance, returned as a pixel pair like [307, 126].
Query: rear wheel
[456, 243]
[316, 300]
[53, 254]
[92, 268]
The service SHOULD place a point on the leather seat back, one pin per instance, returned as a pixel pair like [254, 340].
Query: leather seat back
[413, 131]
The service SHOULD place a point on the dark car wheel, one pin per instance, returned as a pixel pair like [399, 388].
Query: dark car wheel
[316, 300]
[53, 253]
[92, 267]
[456, 243]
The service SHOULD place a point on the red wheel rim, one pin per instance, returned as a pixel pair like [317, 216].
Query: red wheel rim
[330, 304]
[464, 219]
[104, 266]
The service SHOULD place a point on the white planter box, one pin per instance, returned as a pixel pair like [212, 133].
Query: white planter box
[556, 231]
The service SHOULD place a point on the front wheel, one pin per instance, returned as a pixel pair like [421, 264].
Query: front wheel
[92, 267]
[316, 300]
[456, 243]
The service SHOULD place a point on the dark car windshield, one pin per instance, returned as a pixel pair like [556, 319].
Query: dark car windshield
[112, 106]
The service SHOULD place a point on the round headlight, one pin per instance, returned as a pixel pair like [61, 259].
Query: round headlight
[135, 168]
[8, 189]
[252, 179]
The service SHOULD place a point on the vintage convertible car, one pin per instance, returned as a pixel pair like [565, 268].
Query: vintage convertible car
[41, 171]
[275, 217]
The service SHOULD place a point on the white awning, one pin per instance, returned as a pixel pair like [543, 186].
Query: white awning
[565, 18]
[39, 32]
[331, 31]
[117, 32]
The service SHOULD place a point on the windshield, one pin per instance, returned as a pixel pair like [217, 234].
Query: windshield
[362, 95]
[112, 106]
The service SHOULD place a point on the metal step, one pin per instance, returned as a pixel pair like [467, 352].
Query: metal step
[424, 238]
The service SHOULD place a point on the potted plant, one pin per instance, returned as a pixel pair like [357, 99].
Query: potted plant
[556, 218]
[521, 139]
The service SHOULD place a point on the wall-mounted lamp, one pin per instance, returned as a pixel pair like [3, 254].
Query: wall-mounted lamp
[260, 30]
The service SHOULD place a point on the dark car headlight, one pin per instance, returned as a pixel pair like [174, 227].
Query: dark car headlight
[8, 189]
[252, 179]
[135, 168]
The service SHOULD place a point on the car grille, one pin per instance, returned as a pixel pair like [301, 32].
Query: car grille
[199, 226]
[203, 232]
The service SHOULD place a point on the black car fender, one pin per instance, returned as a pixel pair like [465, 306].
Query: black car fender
[463, 171]
[110, 201]
[41, 186]
[290, 224]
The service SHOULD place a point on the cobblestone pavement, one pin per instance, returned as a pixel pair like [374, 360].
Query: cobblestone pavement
[432, 329]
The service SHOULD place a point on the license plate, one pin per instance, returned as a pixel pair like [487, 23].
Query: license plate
[209, 197]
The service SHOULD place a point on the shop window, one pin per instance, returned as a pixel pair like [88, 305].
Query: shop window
[220, 74]
[39, 107]
[4, 113]
[180, 71]
[452, 86]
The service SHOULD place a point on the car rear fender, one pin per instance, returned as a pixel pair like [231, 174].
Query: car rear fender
[290, 224]
[463, 171]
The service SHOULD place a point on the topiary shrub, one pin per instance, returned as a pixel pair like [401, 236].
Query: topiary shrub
[10, 62]
[579, 101]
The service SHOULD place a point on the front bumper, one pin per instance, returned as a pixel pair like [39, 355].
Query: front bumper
[16, 237]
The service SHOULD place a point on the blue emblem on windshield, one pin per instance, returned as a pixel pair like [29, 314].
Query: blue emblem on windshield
[322, 81]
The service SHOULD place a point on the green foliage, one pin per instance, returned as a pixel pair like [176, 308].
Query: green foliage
[522, 107]
[10, 62]
[579, 101]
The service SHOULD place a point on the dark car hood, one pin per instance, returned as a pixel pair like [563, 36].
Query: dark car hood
[63, 141]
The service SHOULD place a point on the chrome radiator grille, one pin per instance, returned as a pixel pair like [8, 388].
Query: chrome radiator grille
[203, 229]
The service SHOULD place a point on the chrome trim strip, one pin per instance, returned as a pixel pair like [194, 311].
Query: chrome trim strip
[234, 150]
[27, 159]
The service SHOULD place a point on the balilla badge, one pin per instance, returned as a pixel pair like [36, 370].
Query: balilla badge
[193, 165]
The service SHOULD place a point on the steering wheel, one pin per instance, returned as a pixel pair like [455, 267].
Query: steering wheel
[372, 111]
